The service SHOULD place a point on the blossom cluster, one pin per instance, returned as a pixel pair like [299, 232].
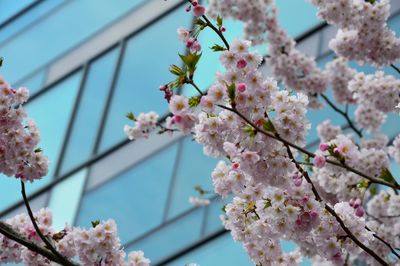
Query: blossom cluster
[98, 245]
[144, 124]
[363, 32]
[19, 137]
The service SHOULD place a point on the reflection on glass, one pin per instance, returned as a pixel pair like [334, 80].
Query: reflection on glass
[144, 68]
[135, 199]
[87, 121]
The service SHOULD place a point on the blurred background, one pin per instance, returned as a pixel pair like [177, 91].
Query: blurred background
[89, 62]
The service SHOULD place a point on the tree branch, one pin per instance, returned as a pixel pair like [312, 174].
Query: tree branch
[344, 114]
[312, 155]
[61, 258]
[9, 232]
[395, 68]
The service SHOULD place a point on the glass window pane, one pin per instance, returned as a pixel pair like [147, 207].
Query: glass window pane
[36, 46]
[171, 238]
[144, 68]
[27, 19]
[135, 199]
[194, 169]
[221, 251]
[34, 83]
[64, 199]
[10, 7]
[87, 121]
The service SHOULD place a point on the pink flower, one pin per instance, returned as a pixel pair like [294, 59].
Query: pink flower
[199, 10]
[241, 64]
[319, 161]
[323, 146]
[360, 211]
[241, 87]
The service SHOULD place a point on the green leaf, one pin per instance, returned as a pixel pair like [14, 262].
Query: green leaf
[217, 48]
[223, 208]
[201, 23]
[219, 21]
[251, 131]
[267, 203]
[131, 116]
[268, 126]
[370, 1]
[38, 150]
[190, 61]
[194, 101]
[364, 183]
[387, 175]
[231, 92]
[177, 71]
[95, 223]
[307, 158]
[373, 190]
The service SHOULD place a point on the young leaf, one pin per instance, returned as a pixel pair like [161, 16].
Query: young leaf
[268, 126]
[387, 175]
[194, 101]
[231, 92]
[217, 48]
[219, 21]
[131, 116]
[95, 223]
[177, 71]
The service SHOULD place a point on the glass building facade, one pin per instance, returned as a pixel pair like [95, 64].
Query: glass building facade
[89, 62]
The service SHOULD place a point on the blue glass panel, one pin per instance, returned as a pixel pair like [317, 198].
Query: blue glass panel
[77, 21]
[145, 67]
[220, 251]
[87, 122]
[194, 169]
[64, 200]
[135, 199]
[171, 238]
[34, 83]
[214, 210]
[296, 16]
[10, 7]
[51, 112]
[27, 19]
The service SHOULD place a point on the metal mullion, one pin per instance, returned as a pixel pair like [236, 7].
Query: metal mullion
[173, 179]
[70, 127]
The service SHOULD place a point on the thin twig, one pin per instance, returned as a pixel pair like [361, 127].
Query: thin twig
[395, 68]
[344, 114]
[62, 259]
[384, 242]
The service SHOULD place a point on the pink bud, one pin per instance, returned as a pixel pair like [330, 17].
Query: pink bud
[319, 161]
[351, 202]
[194, 3]
[241, 87]
[323, 146]
[177, 118]
[241, 63]
[297, 182]
[199, 10]
[360, 211]
[337, 256]
[298, 221]
[357, 203]
[190, 42]
[306, 198]
[235, 165]
[222, 29]
[314, 215]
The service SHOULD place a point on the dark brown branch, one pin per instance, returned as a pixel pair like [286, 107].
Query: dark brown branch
[395, 68]
[61, 258]
[344, 114]
[384, 242]
[10, 233]
[314, 190]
